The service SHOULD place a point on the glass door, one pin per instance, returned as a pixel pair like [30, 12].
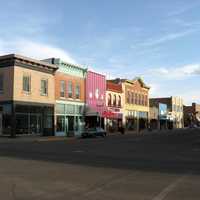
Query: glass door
[35, 123]
[0, 123]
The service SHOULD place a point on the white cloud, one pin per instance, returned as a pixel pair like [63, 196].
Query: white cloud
[175, 73]
[35, 50]
[164, 38]
[182, 9]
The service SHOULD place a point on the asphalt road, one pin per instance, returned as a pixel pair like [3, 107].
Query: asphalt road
[152, 167]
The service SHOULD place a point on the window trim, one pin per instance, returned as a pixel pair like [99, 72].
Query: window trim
[47, 88]
[63, 81]
[23, 89]
[71, 94]
[79, 89]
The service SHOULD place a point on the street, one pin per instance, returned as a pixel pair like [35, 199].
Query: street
[154, 166]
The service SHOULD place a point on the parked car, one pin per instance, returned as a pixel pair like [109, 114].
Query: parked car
[94, 132]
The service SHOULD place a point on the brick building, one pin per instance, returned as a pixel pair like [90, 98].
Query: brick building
[114, 103]
[27, 96]
[191, 115]
[174, 110]
[70, 97]
[136, 103]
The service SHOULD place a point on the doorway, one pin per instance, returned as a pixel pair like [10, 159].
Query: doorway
[1, 124]
[35, 123]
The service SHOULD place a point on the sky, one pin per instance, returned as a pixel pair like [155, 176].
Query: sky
[157, 40]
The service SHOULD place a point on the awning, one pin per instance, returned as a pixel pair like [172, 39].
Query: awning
[112, 115]
[90, 111]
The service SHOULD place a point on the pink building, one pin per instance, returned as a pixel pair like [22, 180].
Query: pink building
[95, 98]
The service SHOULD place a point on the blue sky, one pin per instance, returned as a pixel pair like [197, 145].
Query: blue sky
[157, 40]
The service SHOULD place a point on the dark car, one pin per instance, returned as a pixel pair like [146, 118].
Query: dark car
[94, 132]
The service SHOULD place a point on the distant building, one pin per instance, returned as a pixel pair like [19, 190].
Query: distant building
[27, 96]
[174, 110]
[114, 103]
[191, 115]
[136, 103]
[158, 115]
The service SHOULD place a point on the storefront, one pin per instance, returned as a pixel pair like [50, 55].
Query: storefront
[95, 99]
[28, 118]
[69, 119]
[113, 120]
[136, 120]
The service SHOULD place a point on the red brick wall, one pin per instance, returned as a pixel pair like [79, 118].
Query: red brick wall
[75, 80]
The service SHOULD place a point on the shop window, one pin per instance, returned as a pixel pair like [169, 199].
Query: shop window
[44, 87]
[77, 92]
[70, 89]
[27, 83]
[1, 82]
[60, 108]
[62, 88]
[60, 124]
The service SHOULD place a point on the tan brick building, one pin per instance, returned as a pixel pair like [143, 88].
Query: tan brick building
[27, 95]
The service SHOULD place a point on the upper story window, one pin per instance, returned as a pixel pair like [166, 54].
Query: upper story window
[114, 100]
[62, 88]
[127, 96]
[1, 82]
[77, 92]
[44, 87]
[136, 99]
[132, 98]
[70, 89]
[142, 100]
[119, 101]
[27, 83]
[109, 100]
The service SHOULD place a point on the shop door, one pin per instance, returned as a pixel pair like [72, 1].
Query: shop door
[70, 125]
[35, 123]
[0, 123]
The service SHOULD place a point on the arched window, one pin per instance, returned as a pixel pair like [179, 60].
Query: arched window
[132, 97]
[114, 100]
[119, 101]
[127, 97]
[109, 100]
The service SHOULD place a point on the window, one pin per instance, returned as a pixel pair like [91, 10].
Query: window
[127, 97]
[62, 88]
[142, 100]
[119, 101]
[1, 82]
[109, 100]
[44, 87]
[115, 100]
[77, 92]
[26, 83]
[132, 98]
[70, 89]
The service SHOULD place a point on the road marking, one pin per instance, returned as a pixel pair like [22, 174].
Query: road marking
[108, 182]
[78, 151]
[169, 188]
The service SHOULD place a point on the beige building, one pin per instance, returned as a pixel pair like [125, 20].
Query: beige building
[175, 110]
[27, 95]
[136, 103]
